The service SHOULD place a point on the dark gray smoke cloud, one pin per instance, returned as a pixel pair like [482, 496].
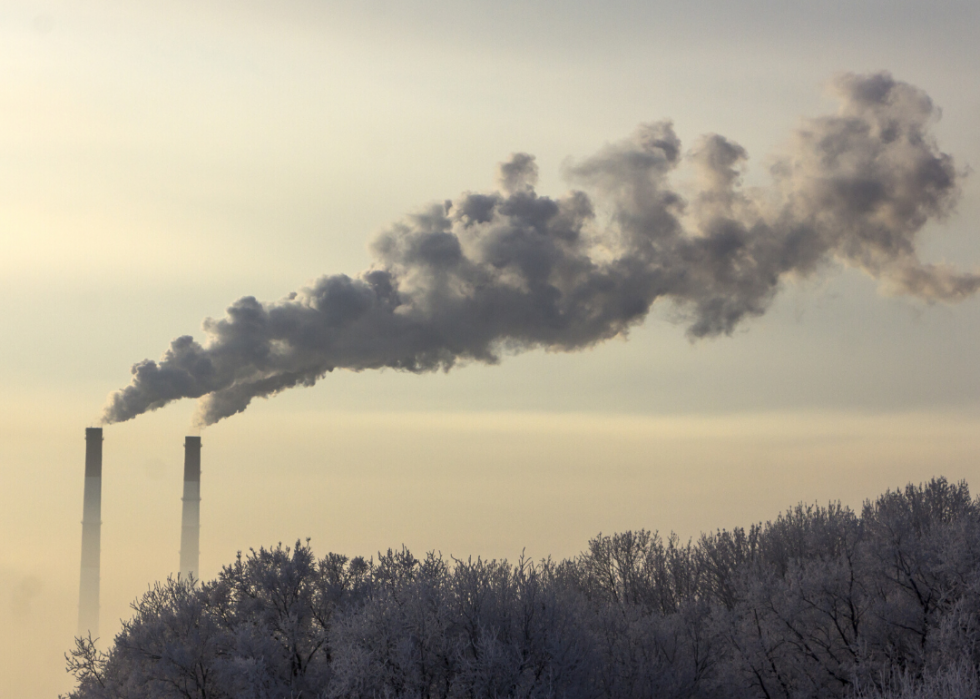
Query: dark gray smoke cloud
[511, 270]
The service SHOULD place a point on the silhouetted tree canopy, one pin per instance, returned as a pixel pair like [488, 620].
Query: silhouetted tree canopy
[821, 602]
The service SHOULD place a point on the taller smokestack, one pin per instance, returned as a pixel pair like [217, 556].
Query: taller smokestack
[190, 532]
[88, 588]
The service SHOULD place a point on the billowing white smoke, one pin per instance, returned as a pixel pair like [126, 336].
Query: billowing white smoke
[513, 270]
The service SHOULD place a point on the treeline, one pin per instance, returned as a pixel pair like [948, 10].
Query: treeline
[821, 602]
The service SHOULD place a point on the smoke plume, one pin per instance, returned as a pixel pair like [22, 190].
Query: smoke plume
[511, 270]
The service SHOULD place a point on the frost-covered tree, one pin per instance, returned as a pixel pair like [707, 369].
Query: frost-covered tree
[820, 602]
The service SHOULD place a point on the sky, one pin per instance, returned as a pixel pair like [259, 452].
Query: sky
[160, 161]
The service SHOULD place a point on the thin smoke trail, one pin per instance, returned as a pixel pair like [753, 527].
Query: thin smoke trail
[512, 270]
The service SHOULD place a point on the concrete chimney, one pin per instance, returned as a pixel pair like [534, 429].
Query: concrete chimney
[88, 588]
[190, 531]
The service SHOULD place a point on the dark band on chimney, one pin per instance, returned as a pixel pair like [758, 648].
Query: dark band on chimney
[93, 452]
[192, 458]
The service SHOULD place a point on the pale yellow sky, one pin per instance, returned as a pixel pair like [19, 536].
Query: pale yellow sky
[158, 162]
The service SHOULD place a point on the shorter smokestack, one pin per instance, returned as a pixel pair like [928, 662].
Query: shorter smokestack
[190, 532]
[88, 587]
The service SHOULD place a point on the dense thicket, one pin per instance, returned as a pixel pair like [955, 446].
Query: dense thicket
[821, 602]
